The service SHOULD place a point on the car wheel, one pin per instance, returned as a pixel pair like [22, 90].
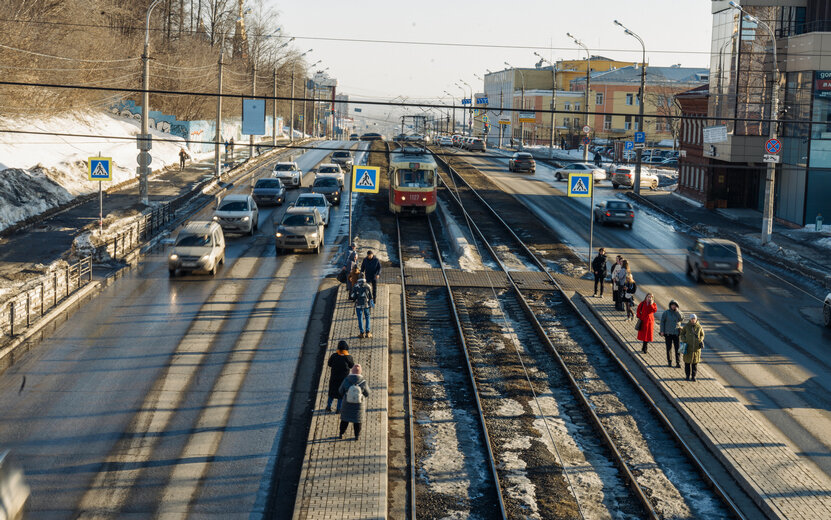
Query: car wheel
[277, 251]
[688, 269]
[213, 270]
[615, 186]
[631, 224]
[736, 281]
[318, 248]
[654, 185]
[559, 176]
[171, 273]
[826, 315]
[697, 274]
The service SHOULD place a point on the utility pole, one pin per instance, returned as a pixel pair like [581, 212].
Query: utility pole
[553, 104]
[291, 110]
[253, 93]
[305, 111]
[274, 109]
[144, 141]
[218, 138]
[636, 188]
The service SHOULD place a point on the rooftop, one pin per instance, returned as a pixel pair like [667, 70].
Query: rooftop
[632, 74]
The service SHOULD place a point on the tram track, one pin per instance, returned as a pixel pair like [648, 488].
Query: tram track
[598, 381]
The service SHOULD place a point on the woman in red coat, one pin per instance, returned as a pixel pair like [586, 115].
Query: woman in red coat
[646, 313]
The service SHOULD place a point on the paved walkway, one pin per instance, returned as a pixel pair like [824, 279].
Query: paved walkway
[344, 479]
[768, 470]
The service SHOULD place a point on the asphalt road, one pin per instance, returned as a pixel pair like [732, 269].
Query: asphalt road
[765, 339]
[166, 397]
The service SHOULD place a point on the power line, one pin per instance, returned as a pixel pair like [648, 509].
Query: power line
[63, 57]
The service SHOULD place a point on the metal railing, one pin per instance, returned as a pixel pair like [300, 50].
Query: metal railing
[41, 295]
[138, 231]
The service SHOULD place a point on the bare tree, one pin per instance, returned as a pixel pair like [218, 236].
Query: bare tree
[662, 97]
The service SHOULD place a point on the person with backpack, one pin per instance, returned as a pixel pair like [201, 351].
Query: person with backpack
[355, 391]
[371, 267]
[627, 294]
[692, 341]
[599, 270]
[646, 320]
[339, 363]
[617, 266]
[350, 262]
[363, 297]
[670, 327]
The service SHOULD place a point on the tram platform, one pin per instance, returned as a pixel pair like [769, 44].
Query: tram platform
[781, 484]
[345, 479]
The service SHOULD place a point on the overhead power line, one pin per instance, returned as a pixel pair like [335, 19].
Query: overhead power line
[64, 57]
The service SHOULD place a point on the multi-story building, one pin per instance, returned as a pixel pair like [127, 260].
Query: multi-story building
[741, 90]
[694, 180]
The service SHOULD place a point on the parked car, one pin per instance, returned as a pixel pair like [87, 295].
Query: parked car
[329, 187]
[826, 311]
[268, 191]
[342, 158]
[445, 141]
[715, 257]
[237, 213]
[668, 163]
[354, 137]
[372, 136]
[330, 170]
[522, 162]
[614, 212]
[14, 492]
[597, 173]
[289, 174]
[314, 200]
[476, 145]
[300, 228]
[200, 246]
[625, 176]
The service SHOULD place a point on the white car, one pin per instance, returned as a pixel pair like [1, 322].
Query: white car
[330, 170]
[625, 176]
[445, 141]
[826, 311]
[314, 200]
[237, 213]
[289, 173]
[597, 173]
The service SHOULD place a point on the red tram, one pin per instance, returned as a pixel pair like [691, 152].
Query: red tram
[413, 175]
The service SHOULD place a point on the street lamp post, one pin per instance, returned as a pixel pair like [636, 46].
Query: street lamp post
[586, 101]
[469, 110]
[770, 178]
[637, 186]
[553, 103]
[291, 103]
[144, 140]
[453, 100]
[521, 102]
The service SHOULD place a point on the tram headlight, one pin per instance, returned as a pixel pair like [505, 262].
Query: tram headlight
[423, 199]
[403, 198]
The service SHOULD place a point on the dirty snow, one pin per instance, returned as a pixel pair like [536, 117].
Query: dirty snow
[467, 255]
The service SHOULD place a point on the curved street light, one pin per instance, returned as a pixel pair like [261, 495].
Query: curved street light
[637, 186]
[553, 102]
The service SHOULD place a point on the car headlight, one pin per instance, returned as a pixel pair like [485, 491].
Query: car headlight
[314, 235]
[174, 257]
[204, 258]
[246, 218]
[278, 234]
[216, 218]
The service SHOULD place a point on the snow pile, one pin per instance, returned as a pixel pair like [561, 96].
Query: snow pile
[468, 256]
[41, 171]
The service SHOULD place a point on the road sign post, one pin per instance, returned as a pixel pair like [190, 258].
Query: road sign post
[365, 179]
[581, 185]
[100, 169]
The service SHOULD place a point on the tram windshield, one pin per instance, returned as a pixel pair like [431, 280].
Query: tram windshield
[407, 178]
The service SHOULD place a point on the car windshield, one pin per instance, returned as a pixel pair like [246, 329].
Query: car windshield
[310, 202]
[283, 167]
[341, 154]
[329, 169]
[576, 166]
[721, 251]
[415, 178]
[268, 183]
[298, 220]
[234, 205]
[523, 156]
[612, 204]
[189, 240]
[325, 183]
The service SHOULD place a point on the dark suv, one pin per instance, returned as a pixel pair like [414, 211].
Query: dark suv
[715, 257]
[330, 187]
[522, 162]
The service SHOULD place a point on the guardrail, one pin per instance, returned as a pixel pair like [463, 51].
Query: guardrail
[41, 295]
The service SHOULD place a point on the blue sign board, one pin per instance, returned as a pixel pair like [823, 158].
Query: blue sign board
[481, 101]
[640, 137]
[465, 101]
[629, 145]
[253, 117]
[580, 184]
[100, 168]
[365, 179]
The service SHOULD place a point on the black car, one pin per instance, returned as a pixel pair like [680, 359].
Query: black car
[522, 161]
[372, 136]
[269, 191]
[330, 187]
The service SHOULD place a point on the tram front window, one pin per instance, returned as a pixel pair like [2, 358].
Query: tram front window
[415, 178]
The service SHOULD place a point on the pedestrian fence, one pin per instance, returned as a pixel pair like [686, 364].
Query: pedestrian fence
[136, 232]
[41, 295]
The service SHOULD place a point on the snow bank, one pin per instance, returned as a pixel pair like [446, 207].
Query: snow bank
[41, 171]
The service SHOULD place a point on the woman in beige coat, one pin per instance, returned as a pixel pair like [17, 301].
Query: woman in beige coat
[692, 333]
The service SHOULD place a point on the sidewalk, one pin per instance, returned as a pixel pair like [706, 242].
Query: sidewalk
[25, 251]
[769, 471]
[793, 249]
[345, 479]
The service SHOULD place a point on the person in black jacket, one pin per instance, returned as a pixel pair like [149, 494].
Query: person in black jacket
[599, 270]
[371, 267]
[340, 362]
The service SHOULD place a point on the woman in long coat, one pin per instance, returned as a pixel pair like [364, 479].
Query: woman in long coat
[353, 412]
[339, 363]
[646, 313]
[693, 335]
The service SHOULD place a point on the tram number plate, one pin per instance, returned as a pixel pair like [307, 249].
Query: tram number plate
[414, 197]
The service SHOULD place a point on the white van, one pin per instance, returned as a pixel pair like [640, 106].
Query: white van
[200, 246]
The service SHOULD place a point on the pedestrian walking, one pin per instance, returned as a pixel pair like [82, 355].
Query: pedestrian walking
[627, 295]
[599, 270]
[355, 391]
[692, 341]
[597, 159]
[671, 320]
[364, 300]
[339, 364]
[562, 143]
[371, 267]
[352, 279]
[646, 320]
[232, 148]
[183, 155]
[622, 273]
[614, 277]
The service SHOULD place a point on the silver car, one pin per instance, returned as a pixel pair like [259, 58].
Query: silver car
[237, 214]
[342, 158]
[200, 246]
[14, 492]
[715, 257]
[300, 228]
[289, 174]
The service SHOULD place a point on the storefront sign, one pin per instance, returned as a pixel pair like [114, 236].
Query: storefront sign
[822, 84]
[715, 134]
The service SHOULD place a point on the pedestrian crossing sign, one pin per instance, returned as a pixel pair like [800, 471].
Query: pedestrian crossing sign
[579, 184]
[100, 168]
[365, 179]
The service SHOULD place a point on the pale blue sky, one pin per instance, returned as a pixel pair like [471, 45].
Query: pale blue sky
[385, 70]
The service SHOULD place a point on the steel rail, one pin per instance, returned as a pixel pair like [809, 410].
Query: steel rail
[696, 462]
[469, 365]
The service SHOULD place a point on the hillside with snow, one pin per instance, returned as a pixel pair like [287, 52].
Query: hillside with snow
[39, 171]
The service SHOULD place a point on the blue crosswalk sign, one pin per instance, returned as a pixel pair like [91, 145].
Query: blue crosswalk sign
[629, 145]
[365, 179]
[100, 168]
[579, 184]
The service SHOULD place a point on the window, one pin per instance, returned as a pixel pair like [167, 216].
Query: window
[577, 107]
[568, 106]
[630, 99]
[607, 122]
[627, 123]
[566, 122]
[598, 98]
[637, 126]
[577, 122]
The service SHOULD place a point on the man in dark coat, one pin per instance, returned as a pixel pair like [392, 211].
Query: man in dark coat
[597, 159]
[599, 270]
[340, 362]
[371, 267]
